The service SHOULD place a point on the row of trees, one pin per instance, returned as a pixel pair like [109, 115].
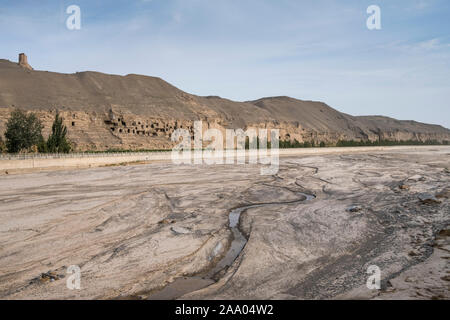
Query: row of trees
[296, 144]
[24, 134]
[284, 144]
[351, 143]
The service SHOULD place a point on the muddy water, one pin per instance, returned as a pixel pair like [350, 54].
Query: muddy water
[184, 285]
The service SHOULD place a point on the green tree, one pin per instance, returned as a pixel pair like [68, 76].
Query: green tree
[42, 145]
[57, 141]
[2, 145]
[22, 131]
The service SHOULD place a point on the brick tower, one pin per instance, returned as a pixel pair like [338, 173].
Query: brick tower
[23, 61]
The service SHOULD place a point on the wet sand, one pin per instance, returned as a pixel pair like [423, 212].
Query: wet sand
[134, 229]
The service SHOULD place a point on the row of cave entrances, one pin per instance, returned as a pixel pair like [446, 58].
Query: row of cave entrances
[134, 131]
[154, 128]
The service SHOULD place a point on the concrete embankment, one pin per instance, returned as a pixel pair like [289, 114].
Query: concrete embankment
[76, 160]
[31, 162]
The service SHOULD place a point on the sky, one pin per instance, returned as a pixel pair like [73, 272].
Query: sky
[243, 50]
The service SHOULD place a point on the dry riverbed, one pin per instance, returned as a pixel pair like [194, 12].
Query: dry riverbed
[161, 230]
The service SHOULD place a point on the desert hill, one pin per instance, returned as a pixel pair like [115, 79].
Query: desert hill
[110, 111]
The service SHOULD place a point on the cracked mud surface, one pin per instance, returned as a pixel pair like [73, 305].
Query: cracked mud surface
[134, 229]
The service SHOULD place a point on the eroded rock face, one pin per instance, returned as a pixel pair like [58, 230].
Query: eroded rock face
[105, 111]
[123, 130]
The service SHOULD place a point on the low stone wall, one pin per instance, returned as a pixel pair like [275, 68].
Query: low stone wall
[73, 160]
[87, 160]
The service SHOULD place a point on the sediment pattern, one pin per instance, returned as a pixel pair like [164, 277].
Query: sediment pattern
[134, 229]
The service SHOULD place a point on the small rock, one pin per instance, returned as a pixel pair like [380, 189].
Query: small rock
[354, 209]
[403, 187]
[180, 230]
[410, 279]
[445, 193]
[444, 233]
[215, 252]
[166, 221]
[416, 178]
[412, 254]
[426, 198]
[49, 276]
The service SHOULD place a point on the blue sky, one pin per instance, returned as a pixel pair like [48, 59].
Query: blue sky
[247, 49]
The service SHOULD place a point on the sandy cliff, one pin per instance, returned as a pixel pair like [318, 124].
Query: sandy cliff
[108, 111]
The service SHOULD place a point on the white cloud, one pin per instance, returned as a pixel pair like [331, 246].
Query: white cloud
[247, 49]
[429, 44]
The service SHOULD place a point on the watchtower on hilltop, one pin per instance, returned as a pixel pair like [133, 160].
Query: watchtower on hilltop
[23, 61]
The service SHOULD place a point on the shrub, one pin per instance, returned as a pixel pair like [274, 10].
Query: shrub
[22, 131]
